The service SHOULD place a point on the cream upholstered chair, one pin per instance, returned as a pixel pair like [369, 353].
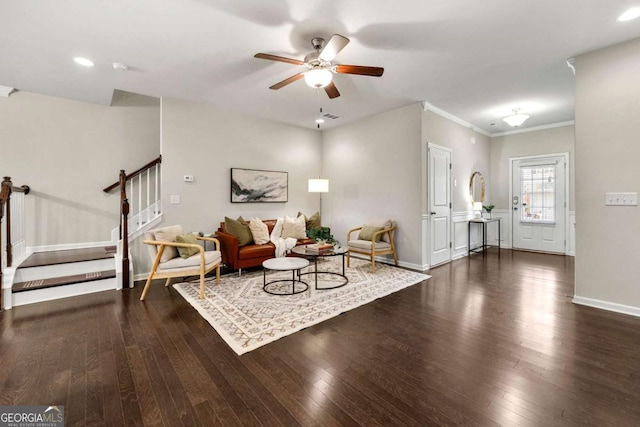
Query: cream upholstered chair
[167, 263]
[374, 238]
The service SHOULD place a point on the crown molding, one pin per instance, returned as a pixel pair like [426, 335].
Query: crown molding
[6, 91]
[426, 106]
[535, 128]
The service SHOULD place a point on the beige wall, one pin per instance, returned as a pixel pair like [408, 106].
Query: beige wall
[607, 153]
[466, 157]
[375, 169]
[68, 151]
[546, 141]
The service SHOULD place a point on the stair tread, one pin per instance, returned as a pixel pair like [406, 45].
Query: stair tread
[62, 280]
[39, 259]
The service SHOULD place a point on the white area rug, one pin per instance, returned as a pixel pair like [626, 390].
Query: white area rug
[246, 317]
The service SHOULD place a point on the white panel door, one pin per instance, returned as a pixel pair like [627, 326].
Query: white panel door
[538, 203]
[439, 204]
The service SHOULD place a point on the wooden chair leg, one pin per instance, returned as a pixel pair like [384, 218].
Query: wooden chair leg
[218, 274]
[202, 286]
[373, 262]
[168, 282]
[348, 259]
[146, 287]
[395, 258]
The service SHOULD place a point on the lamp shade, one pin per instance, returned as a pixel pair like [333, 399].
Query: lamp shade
[318, 77]
[477, 206]
[317, 185]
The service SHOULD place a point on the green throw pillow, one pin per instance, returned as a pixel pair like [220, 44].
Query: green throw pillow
[367, 232]
[187, 238]
[239, 229]
[312, 222]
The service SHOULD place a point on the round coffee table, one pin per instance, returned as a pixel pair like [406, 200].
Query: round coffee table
[335, 251]
[292, 264]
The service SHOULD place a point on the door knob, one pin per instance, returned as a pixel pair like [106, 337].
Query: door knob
[433, 213]
[515, 209]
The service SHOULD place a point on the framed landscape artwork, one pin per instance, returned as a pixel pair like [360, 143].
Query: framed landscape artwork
[258, 186]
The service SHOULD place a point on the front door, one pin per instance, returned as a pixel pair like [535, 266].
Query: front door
[439, 204]
[538, 202]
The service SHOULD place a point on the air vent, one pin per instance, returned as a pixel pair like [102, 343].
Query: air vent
[330, 116]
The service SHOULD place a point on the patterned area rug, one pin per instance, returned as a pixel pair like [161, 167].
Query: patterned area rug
[247, 317]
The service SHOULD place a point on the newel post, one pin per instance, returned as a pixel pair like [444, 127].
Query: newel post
[5, 197]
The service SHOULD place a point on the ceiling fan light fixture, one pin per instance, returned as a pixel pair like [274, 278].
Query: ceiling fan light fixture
[516, 119]
[318, 77]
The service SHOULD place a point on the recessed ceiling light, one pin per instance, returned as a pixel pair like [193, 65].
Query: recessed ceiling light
[119, 66]
[630, 14]
[83, 61]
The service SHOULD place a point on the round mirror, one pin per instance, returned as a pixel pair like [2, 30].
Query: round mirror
[476, 187]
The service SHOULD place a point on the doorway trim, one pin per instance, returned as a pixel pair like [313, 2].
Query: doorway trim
[565, 155]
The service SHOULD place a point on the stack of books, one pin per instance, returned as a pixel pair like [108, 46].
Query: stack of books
[319, 248]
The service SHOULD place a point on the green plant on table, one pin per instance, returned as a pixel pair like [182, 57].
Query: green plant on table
[488, 208]
[322, 234]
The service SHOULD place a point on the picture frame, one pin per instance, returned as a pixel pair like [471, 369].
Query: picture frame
[259, 186]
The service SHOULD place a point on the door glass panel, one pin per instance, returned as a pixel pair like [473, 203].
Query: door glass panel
[537, 193]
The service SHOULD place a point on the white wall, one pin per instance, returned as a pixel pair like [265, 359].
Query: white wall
[546, 141]
[375, 171]
[607, 153]
[68, 151]
[206, 142]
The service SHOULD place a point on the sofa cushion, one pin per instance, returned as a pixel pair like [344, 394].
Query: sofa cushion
[259, 231]
[168, 234]
[311, 222]
[294, 227]
[257, 251]
[239, 229]
[187, 238]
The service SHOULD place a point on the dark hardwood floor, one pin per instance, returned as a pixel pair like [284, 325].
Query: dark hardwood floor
[486, 341]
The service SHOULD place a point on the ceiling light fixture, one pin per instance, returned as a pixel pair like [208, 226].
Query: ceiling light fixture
[318, 77]
[630, 14]
[83, 61]
[516, 119]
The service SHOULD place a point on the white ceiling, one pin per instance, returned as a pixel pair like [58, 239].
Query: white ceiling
[475, 59]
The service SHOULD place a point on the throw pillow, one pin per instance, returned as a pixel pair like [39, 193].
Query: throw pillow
[368, 231]
[168, 234]
[187, 238]
[384, 223]
[294, 227]
[259, 231]
[312, 222]
[239, 229]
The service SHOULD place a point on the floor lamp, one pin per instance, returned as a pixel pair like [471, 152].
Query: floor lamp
[318, 185]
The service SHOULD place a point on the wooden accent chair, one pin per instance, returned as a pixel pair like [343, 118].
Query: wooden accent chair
[168, 264]
[375, 238]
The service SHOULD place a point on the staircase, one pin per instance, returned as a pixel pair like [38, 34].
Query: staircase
[51, 275]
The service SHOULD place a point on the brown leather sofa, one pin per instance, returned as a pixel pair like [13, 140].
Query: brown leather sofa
[252, 255]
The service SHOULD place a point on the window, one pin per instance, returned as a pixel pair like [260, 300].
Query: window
[538, 194]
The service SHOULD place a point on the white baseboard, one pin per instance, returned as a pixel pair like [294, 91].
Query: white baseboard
[609, 306]
[389, 261]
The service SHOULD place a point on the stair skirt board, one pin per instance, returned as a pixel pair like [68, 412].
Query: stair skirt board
[53, 293]
[63, 280]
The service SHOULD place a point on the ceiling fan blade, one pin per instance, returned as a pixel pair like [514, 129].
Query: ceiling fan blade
[333, 47]
[359, 69]
[287, 81]
[332, 90]
[278, 58]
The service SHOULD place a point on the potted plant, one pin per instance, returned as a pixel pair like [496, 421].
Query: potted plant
[488, 208]
[322, 234]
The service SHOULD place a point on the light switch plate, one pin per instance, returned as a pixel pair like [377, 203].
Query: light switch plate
[621, 199]
[174, 199]
[188, 178]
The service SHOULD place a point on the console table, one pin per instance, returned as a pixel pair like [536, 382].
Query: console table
[482, 222]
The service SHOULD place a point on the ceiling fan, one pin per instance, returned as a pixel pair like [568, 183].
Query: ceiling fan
[320, 69]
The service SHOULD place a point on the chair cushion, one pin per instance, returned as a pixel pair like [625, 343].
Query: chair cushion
[187, 238]
[367, 232]
[240, 229]
[294, 227]
[365, 245]
[384, 223]
[191, 263]
[168, 234]
[259, 231]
